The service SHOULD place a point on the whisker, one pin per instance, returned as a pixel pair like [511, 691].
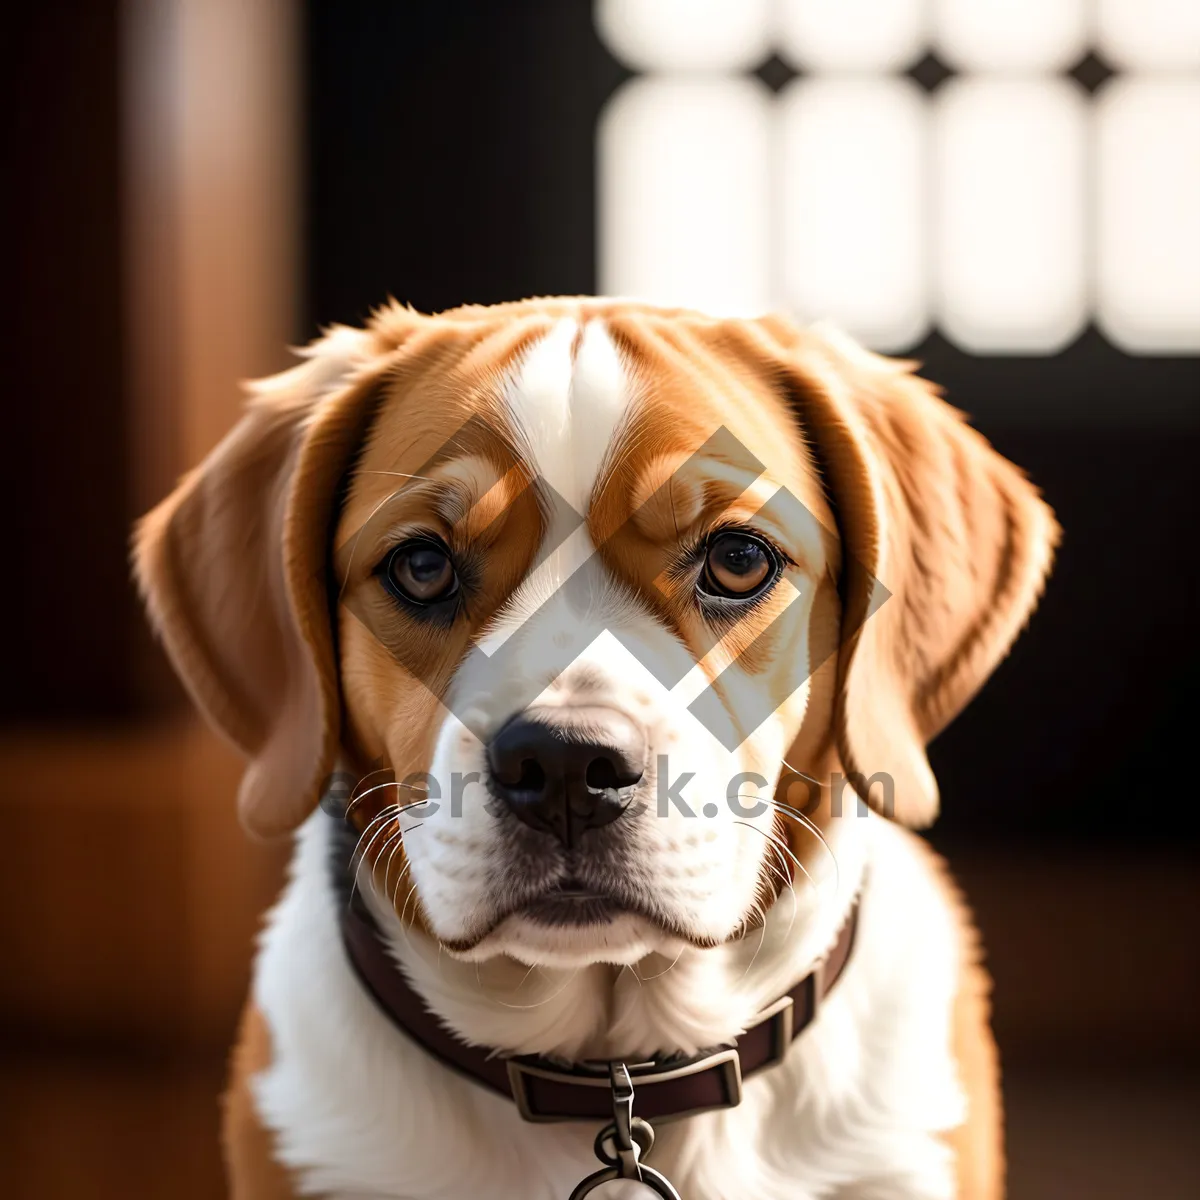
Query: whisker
[762, 937]
[388, 813]
[800, 773]
[483, 990]
[792, 889]
[383, 820]
[404, 930]
[786, 810]
[358, 783]
[397, 474]
[393, 812]
[787, 850]
[384, 815]
[404, 910]
[387, 874]
[532, 968]
[361, 796]
[396, 890]
[660, 974]
[369, 775]
[782, 876]
[363, 846]
[547, 1000]
[357, 538]
[393, 839]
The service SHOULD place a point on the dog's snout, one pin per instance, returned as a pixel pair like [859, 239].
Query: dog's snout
[564, 772]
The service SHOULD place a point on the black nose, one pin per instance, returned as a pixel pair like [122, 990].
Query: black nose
[563, 772]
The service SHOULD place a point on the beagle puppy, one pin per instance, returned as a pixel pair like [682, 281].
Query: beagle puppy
[613, 635]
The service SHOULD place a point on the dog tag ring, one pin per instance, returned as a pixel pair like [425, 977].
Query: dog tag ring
[658, 1184]
[631, 1138]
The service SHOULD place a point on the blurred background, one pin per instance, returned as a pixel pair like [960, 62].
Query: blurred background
[1005, 190]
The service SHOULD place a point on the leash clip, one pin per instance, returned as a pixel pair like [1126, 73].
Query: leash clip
[632, 1139]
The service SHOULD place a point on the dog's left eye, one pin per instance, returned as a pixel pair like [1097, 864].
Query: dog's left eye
[738, 566]
[420, 571]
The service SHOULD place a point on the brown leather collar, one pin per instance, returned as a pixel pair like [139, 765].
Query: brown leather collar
[547, 1089]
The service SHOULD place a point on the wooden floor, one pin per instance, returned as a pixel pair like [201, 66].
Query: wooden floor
[97, 1129]
[88, 1128]
[1083, 1136]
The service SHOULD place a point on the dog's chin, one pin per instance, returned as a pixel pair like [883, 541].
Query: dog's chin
[541, 939]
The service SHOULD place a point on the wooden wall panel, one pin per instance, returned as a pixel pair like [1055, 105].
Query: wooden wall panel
[1094, 952]
[62, 454]
[129, 895]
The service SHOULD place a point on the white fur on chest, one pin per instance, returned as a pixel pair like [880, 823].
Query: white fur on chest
[360, 1111]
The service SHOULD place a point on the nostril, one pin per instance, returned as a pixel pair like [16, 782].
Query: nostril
[531, 779]
[603, 774]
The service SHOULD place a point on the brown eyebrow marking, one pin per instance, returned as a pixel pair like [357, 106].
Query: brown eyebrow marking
[398, 474]
[480, 507]
[469, 503]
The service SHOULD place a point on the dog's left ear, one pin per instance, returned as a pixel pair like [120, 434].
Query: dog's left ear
[926, 508]
[233, 568]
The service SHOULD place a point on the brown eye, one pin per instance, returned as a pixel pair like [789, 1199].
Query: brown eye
[738, 566]
[420, 571]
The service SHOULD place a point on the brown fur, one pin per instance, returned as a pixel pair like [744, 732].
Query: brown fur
[254, 1172]
[978, 1143]
[900, 490]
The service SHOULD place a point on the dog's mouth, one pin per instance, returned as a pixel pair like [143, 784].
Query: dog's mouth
[570, 902]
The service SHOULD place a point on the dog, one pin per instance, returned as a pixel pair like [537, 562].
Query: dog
[613, 637]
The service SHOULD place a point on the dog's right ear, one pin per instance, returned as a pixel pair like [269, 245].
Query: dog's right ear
[233, 569]
[946, 546]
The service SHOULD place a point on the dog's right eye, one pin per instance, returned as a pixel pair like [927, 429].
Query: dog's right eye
[420, 571]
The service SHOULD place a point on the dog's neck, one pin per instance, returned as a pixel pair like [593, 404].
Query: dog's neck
[680, 1003]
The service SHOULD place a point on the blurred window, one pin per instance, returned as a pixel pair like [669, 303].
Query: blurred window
[1003, 170]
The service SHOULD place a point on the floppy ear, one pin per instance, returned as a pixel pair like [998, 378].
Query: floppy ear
[232, 566]
[931, 514]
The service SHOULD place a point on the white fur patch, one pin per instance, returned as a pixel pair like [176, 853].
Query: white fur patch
[567, 406]
[361, 1113]
[573, 633]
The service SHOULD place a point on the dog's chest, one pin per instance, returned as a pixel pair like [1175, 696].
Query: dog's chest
[361, 1112]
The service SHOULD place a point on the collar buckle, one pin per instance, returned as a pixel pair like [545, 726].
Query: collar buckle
[536, 1082]
[780, 1018]
[632, 1140]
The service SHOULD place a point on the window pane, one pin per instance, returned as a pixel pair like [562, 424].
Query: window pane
[1011, 35]
[837, 35]
[1010, 213]
[853, 206]
[684, 194]
[686, 35]
[1148, 168]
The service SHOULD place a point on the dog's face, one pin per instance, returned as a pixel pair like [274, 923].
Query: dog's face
[551, 547]
[588, 583]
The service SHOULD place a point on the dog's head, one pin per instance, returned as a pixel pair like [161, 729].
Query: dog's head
[593, 586]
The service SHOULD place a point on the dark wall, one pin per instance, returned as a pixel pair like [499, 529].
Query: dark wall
[451, 152]
[68, 609]
[1083, 734]
[451, 160]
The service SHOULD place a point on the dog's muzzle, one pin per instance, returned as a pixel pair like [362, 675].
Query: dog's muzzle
[564, 771]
